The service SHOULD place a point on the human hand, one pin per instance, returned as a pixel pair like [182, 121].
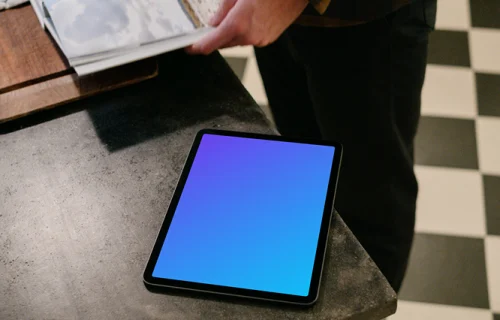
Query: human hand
[249, 22]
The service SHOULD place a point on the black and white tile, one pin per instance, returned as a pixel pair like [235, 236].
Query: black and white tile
[238, 65]
[446, 142]
[447, 270]
[488, 94]
[453, 15]
[484, 13]
[449, 91]
[492, 250]
[492, 203]
[451, 201]
[408, 310]
[485, 48]
[447, 47]
[454, 270]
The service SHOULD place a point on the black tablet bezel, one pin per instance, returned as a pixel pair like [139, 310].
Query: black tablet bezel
[247, 293]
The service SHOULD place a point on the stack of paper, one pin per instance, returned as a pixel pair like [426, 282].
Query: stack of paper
[95, 35]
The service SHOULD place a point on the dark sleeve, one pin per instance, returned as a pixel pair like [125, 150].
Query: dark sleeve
[361, 10]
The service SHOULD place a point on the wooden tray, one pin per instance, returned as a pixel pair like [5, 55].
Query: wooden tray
[34, 75]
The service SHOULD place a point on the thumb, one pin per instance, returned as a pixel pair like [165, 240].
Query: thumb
[222, 12]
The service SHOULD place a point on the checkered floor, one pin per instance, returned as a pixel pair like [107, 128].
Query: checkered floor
[454, 271]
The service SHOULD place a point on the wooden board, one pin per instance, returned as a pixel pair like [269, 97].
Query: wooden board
[27, 53]
[60, 90]
[35, 76]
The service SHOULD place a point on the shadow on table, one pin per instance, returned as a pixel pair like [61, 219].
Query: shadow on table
[188, 91]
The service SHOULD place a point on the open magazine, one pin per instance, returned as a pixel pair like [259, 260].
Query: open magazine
[95, 35]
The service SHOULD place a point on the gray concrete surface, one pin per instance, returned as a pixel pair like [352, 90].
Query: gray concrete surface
[84, 190]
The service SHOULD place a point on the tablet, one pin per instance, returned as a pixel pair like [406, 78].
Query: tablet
[249, 218]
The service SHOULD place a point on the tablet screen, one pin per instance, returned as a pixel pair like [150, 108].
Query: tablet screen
[249, 215]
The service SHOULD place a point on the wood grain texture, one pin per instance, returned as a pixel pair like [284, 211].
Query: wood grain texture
[27, 53]
[64, 89]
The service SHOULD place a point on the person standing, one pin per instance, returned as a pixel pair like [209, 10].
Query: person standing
[350, 71]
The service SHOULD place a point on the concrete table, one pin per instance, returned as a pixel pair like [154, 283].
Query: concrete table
[84, 190]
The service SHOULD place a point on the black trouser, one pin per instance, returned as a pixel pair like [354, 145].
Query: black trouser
[360, 86]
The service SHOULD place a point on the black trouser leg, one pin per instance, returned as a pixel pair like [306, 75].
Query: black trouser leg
[364, 85]
[286, 87]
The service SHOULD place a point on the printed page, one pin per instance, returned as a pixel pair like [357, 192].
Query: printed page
[87, 27]
[143, 52]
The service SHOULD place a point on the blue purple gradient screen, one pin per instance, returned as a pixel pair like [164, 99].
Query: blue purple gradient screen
[249, 215]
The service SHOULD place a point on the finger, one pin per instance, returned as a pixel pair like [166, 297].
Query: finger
[222, 12]
[237, 41]
[232, 43]
[233, 25]
[189, 50]
[222, 35]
